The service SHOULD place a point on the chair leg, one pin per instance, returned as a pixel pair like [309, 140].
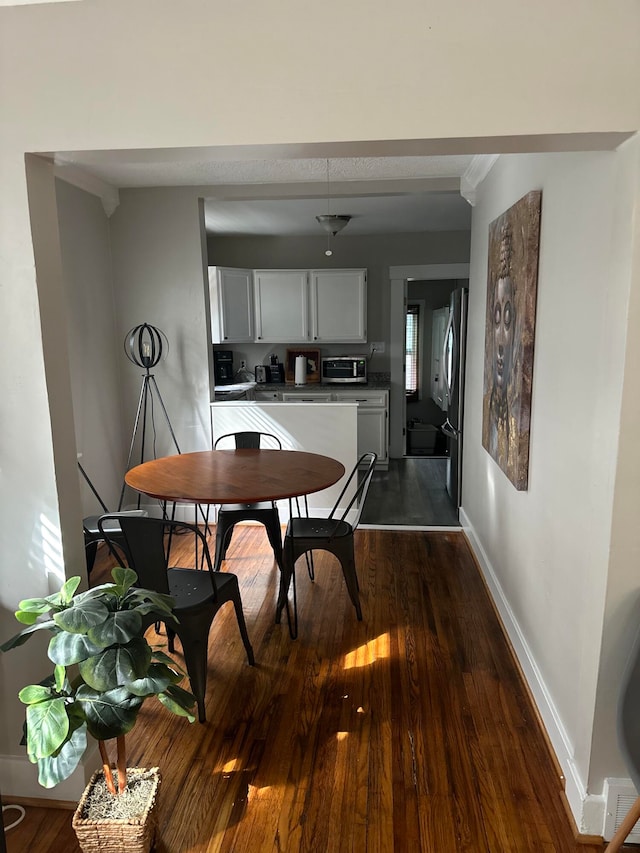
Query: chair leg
[274, 534]
[625, 828]
[223, 538]
[345, 554]
[90, 552]
[237, 603]
[193, 631]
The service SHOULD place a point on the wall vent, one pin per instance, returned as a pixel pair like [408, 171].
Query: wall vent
[620, 795]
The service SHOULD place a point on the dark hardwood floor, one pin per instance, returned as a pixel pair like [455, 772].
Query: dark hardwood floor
[412, 492]
[408, 731]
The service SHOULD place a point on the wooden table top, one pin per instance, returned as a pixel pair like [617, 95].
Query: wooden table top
[235, 476]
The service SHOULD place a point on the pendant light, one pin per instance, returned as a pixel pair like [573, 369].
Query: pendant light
[331, 222]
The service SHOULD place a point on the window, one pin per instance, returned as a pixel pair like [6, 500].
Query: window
[412, 353]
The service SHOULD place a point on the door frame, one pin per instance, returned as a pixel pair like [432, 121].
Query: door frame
[399, 276]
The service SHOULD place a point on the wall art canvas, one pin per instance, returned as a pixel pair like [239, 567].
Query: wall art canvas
[514, 241]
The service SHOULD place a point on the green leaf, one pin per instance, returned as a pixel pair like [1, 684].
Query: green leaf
[34, 605]
[56, 768]
[117, 665]
[60, 675]
[81, 616]
[178, 701]
[23, 636]
[124, 579]
[109, 714]
[47, 727]
[34, 693]
[157, 679]
[27, 617]
[152, 602]
[69, 588]
[119, 627]
[67, 649]
[161, 657]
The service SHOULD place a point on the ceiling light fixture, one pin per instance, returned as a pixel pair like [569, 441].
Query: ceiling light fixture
[332, 223]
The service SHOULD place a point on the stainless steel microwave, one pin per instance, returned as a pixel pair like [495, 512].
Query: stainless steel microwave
[345, 368]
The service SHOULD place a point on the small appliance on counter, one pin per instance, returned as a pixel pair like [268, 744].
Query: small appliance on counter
[345, 368]
[223, 367]
[272, 373]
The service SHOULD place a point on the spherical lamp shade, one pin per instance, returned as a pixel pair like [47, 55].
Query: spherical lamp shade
[144, 345]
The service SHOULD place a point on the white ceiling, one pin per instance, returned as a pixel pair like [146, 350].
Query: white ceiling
[282, 196]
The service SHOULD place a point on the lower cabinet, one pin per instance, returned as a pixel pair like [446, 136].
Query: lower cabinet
[373, 422]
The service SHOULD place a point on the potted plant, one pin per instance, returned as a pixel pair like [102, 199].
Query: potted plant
[100, 633]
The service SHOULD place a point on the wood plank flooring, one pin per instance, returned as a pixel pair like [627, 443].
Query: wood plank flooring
[412, 492]
[408, 731]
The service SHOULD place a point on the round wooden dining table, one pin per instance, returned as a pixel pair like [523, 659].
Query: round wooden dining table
[239, 476]
[235, 476]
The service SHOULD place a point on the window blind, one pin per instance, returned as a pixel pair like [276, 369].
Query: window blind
[412, 347]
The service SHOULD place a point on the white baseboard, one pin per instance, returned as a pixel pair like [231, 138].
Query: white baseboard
[587, 809]
[19, 778]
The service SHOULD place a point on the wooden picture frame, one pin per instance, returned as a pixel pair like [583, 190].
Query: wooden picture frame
[313, 365]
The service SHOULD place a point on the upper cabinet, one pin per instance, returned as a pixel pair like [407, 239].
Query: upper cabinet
[281, 306]
[231, 300]
[288, 306]
[339, 306]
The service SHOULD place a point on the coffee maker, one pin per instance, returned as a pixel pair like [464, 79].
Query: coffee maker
[223, 366]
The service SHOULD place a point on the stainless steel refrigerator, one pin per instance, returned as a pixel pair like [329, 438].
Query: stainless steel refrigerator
[454, 360]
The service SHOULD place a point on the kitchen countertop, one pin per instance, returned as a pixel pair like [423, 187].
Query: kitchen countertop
[324, 386]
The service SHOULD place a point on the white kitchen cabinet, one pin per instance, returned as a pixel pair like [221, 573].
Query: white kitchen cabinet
[281, 306]
[439, 321]
[231, 305]
[373, 421]
[338, 306]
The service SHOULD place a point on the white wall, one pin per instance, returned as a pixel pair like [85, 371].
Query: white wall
[95, 351]
[96, 75]
[159, 278]
[548, 548]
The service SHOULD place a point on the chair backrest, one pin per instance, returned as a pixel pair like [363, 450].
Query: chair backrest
[147, 548]
[629, 714]
[250, 440]
[369, 459]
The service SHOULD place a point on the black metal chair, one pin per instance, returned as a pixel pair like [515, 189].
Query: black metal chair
[327, 534]
[265, 512]
[92, 535]
[198, 595]
[628, 725]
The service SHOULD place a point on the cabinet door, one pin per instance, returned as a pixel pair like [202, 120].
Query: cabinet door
[281, 306]
[339, 306]
[231, 304]
[372, 432]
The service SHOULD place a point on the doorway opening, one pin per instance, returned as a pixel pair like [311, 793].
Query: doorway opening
[413, 492]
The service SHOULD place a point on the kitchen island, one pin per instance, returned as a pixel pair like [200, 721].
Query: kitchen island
[331, 430]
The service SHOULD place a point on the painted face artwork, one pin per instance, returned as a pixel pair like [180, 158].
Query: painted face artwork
[503, 323]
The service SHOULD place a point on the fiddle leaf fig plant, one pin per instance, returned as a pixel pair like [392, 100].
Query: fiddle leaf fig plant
[100, 634]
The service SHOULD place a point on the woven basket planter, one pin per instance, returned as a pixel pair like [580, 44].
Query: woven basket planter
[125, 835]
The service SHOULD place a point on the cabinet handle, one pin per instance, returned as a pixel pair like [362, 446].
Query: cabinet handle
[259, 337]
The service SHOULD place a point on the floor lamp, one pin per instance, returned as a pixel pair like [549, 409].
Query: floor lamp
[144, 346]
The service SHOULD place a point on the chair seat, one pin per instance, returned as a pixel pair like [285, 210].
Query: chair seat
[318, 528]
[191, 588]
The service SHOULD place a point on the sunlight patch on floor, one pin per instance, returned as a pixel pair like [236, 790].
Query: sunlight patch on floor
[368, 653]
